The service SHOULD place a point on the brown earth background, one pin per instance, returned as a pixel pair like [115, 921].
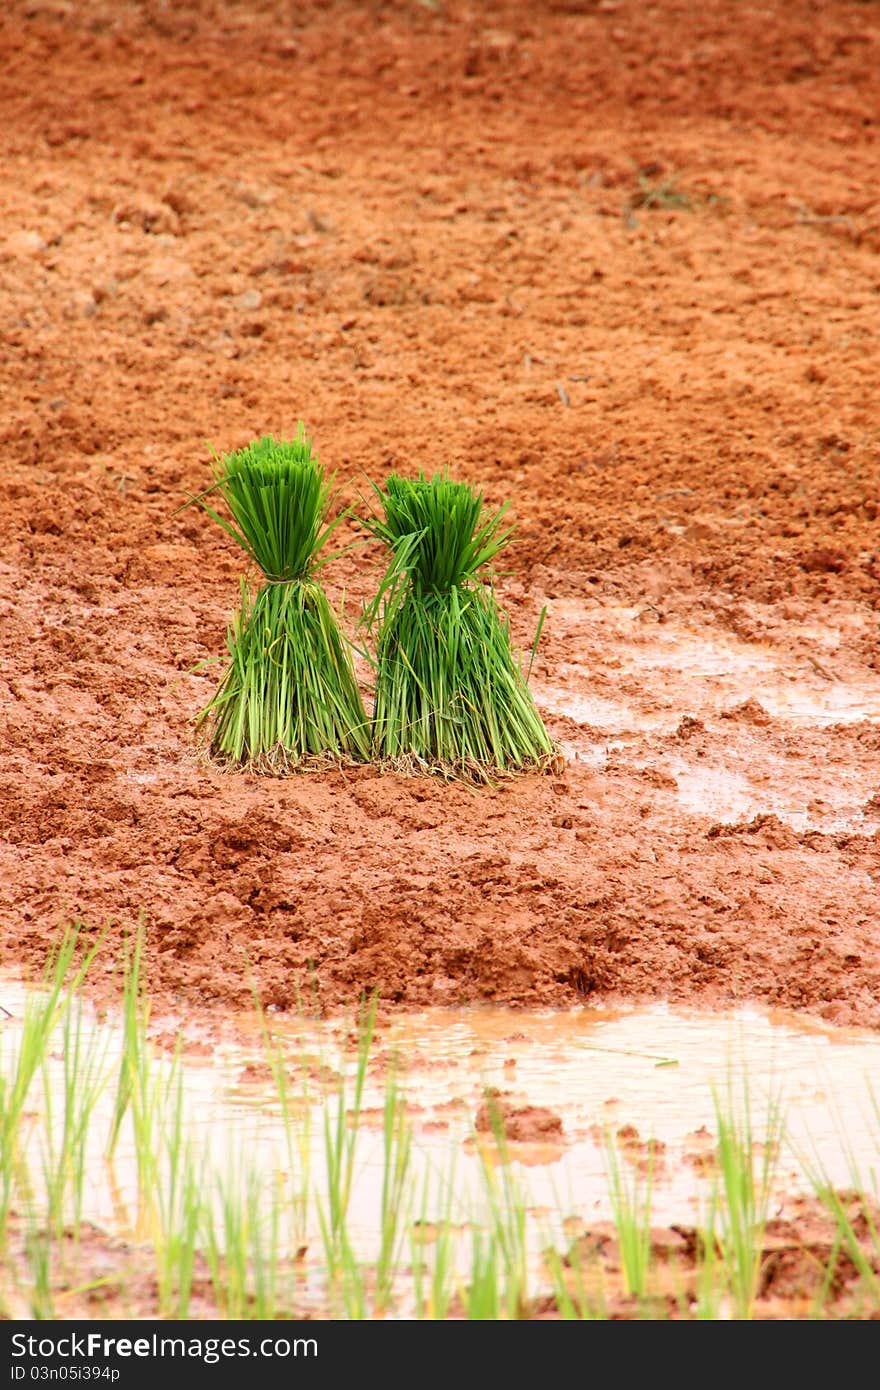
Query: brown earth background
[617, 262]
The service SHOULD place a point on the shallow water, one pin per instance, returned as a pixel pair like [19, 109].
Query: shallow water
[699, 672]
[657, 1072]
[728, 797]
[668, 672]
[653, 1074]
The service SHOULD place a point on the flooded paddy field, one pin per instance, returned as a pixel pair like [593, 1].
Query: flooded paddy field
[600, 1160]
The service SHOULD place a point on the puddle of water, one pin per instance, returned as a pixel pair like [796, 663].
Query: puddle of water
[724, 795]
[599, 713]
[678, 672]
[653, 1072]
[701, 694]
[730, 797]
[700, 674]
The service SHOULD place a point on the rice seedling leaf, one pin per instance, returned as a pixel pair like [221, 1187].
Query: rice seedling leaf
[289, 694]
[450, 692]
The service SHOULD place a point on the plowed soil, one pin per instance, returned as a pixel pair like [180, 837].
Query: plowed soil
[616, 262]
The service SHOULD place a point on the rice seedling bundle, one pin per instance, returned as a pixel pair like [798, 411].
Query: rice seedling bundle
[289, 693]
[450, 694]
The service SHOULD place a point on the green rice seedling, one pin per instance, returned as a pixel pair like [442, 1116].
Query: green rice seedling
[631, 1202]
[353, 1281]
[855, 1215]
[432, 1273]
[505, 1205]
[84, 1062]
[179, 1206]
[268, 1260]
[296, 1104]
[39, 1251]
[578, 1291]
[177, 1235]
[226, 1241]
[450, 693]
[575, 1273]
[140, 1092]
[747, 1168]
[710, 1282]
[43, 1010]
[289, 694]
[242, 1244]
[483, 1298]
[340, 1146]
[148, 1091]
[395, 1209]
[133, 1064]
[296, 1120]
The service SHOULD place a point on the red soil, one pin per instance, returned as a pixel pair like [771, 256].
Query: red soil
[619, 262]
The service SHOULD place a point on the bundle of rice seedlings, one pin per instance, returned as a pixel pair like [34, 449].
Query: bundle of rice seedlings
[289, 694]
[450, 694]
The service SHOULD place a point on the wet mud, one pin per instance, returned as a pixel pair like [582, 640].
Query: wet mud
[616, 263]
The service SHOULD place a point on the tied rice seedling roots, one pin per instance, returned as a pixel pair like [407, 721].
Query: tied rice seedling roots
[450, 694]
[289, 695]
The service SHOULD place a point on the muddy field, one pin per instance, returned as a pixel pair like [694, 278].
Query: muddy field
[616, 262]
